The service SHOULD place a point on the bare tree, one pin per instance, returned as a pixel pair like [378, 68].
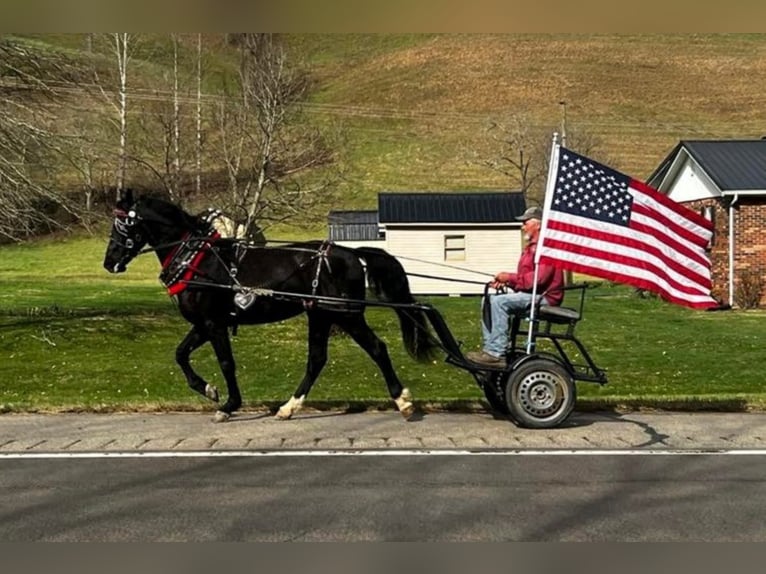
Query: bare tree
[122, 46]
[27, 143]
[277, 165]
[84, 151]
[198, 139]
[522, 152]
[166, 117]
[516, 147]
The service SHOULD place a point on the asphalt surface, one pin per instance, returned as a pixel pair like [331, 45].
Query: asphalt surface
[341, 431]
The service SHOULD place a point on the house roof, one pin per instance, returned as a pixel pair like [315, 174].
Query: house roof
[438, 207]
[733, 165]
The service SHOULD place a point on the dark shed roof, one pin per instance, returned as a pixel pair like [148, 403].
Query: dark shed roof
[353, 225]
[731, 164]
[437, 207]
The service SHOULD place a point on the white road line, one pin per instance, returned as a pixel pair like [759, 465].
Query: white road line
[387, 452]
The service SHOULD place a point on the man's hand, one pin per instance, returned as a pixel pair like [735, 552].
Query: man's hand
[503, 279]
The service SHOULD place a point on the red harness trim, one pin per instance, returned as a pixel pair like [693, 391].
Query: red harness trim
[173, 253]
[181, 284]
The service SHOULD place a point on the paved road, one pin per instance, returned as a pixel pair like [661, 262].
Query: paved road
[184, 432]
[683, 491]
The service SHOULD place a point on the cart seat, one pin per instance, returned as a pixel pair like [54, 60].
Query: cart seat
[558, 315]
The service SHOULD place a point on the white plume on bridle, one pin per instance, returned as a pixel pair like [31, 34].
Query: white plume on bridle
[225, 225]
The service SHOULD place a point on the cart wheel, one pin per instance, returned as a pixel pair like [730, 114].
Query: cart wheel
[493, 385]
[540, 394]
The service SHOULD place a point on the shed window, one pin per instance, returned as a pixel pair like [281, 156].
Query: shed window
[454, 247]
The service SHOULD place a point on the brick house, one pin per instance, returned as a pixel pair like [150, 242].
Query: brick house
[725, 180]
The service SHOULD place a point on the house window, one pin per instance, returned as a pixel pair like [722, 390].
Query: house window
[454, 247]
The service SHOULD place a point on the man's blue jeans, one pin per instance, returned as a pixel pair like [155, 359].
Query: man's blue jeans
[502, 306]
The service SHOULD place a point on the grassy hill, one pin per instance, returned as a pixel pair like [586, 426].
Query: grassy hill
[418, 105]
[416, 108]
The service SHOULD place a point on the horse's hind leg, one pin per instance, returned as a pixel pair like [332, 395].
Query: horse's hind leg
[193, 340]
[319, 334]
[360, 331]
[219, 338]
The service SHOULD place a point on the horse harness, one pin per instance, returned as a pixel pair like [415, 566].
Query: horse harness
[182, 267]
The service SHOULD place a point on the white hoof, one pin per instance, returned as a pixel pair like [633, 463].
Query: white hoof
[404, 404]
[287, 410]
[283, 414]
[221, 417]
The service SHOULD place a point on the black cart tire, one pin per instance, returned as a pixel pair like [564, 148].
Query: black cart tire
[493, 385]
[540, 394]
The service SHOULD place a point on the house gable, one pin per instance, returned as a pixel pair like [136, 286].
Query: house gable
[701, 169]
[689, 182]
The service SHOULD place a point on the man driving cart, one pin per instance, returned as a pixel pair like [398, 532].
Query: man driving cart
[517, 299]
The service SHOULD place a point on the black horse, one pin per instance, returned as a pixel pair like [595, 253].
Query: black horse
[220, 283]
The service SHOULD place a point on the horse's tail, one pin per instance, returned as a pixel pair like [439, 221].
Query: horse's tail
[388, 280]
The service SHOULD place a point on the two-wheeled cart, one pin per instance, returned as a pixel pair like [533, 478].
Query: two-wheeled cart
[537, 388]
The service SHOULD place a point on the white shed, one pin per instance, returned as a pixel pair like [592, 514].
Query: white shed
[449, 243]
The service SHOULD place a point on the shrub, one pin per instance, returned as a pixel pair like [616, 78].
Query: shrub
[749, 289]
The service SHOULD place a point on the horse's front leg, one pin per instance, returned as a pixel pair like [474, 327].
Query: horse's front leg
[219, 338]
[195, 338]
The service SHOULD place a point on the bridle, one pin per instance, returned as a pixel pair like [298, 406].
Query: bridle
[123, 222]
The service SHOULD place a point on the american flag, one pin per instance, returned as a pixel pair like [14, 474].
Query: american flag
[603, 223]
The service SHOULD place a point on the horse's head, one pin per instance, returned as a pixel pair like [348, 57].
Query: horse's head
[128, 235]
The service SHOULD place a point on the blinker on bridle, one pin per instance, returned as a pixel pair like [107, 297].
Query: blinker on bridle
[123, 220]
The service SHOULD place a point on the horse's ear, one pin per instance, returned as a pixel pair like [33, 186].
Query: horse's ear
[126, 197]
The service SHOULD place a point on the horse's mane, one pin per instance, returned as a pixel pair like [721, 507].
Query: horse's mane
[171, 212]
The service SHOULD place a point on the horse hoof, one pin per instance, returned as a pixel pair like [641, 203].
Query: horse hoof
[287, 410]
[404, 404]
[283, 415]
[221, 417]
[211, 392]
[407, 411]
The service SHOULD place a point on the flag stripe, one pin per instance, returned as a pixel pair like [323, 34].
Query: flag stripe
[672, 208]
[627, 276]
[676, 224]
[650, 228]
[601, 247]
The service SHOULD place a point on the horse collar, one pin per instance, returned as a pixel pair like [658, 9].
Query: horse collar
[182, 264]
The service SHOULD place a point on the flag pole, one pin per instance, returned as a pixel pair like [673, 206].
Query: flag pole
[549, 187]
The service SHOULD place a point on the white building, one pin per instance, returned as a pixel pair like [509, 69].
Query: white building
[449, 243]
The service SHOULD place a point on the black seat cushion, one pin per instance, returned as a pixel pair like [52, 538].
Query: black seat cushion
[558, 314]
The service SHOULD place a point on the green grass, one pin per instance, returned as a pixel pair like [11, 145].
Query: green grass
[416, 107]
[73, 337]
